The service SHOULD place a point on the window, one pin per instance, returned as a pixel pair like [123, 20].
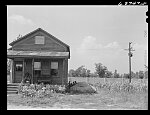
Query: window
[54, 68]
[19, 67]
[37, 69]
[54, 65]
[39, 39]
[37, 65]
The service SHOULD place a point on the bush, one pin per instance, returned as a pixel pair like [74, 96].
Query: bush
[40, 91]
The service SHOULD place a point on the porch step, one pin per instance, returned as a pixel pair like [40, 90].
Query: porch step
[12, 92]
[13, 84]
[12, 88]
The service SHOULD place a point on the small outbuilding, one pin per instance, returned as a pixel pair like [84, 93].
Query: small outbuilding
[42, 56]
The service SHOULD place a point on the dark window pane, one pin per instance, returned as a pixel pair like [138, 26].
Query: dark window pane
[37, 73]
[54, 72]
[19, 67]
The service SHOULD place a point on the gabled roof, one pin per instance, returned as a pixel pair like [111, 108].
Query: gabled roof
[39, 29]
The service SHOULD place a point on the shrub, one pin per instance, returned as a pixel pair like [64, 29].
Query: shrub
[40, 90]
[40, 93]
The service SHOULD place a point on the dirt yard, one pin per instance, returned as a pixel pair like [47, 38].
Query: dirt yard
[104, 100]
[101, 101]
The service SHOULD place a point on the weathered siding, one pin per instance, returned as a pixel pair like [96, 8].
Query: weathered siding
[63, 72]
[51, 44]
[29, 44]
[18, 74]
[45, 68]
[61, 78]
[28, 66]
[58, 79]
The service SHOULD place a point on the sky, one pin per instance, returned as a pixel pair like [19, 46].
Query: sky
[95, 33]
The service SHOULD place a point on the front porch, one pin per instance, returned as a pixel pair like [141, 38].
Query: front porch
[47, 70]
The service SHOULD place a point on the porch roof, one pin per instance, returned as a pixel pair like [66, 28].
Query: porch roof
[12, 53]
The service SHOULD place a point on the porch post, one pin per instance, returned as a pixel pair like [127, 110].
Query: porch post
[63, 75]
[11, 69]
[66, 71]
[32, 70]
[23, 69]
[13, 75]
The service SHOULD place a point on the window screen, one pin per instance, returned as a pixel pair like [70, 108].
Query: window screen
[19, 67]
[54, 68]
[37, 65]
[39, 39]
[54, 65]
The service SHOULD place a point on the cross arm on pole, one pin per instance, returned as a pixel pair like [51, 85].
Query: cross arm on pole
[126, 49]
[131, 49]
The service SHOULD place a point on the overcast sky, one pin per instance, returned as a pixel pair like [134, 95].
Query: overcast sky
[94, 33]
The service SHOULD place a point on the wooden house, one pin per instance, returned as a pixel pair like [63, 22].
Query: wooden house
[41, 55]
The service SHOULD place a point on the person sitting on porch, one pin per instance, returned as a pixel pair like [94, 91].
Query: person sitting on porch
[27, 78]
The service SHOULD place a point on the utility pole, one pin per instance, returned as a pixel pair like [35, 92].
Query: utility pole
[130, 54]
[145, 59]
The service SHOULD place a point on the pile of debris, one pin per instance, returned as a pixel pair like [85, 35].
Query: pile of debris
[81, 88]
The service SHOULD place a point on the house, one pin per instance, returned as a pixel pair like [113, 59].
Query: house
[41, 55]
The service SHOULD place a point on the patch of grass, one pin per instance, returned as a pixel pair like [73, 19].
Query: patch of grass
[102, 100]
[31, 101]
[112, 96]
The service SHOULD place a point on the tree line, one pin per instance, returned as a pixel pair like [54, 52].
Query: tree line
[101, 71]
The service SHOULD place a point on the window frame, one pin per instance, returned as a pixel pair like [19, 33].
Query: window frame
[39, 67]
[17, 67]
[39, 38]
[54, 69]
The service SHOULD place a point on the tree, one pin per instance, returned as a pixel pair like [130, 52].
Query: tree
[108, 74]
[133, 75]
[88, 73]
[72, 73]
[100, 70]
[146, 74]
[141, 74]
[116, 75]
[93, 74]
[137, 75]
[126, 75]
[79, 72]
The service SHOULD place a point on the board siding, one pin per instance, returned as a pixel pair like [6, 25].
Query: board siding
[51, 44]
[57, 79]
[28, 66]
[29, 44]
[18, 74]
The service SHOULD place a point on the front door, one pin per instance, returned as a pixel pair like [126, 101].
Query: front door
[18, 70]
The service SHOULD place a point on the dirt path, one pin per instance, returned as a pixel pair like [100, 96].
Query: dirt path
[66, 107]
[20, 107]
